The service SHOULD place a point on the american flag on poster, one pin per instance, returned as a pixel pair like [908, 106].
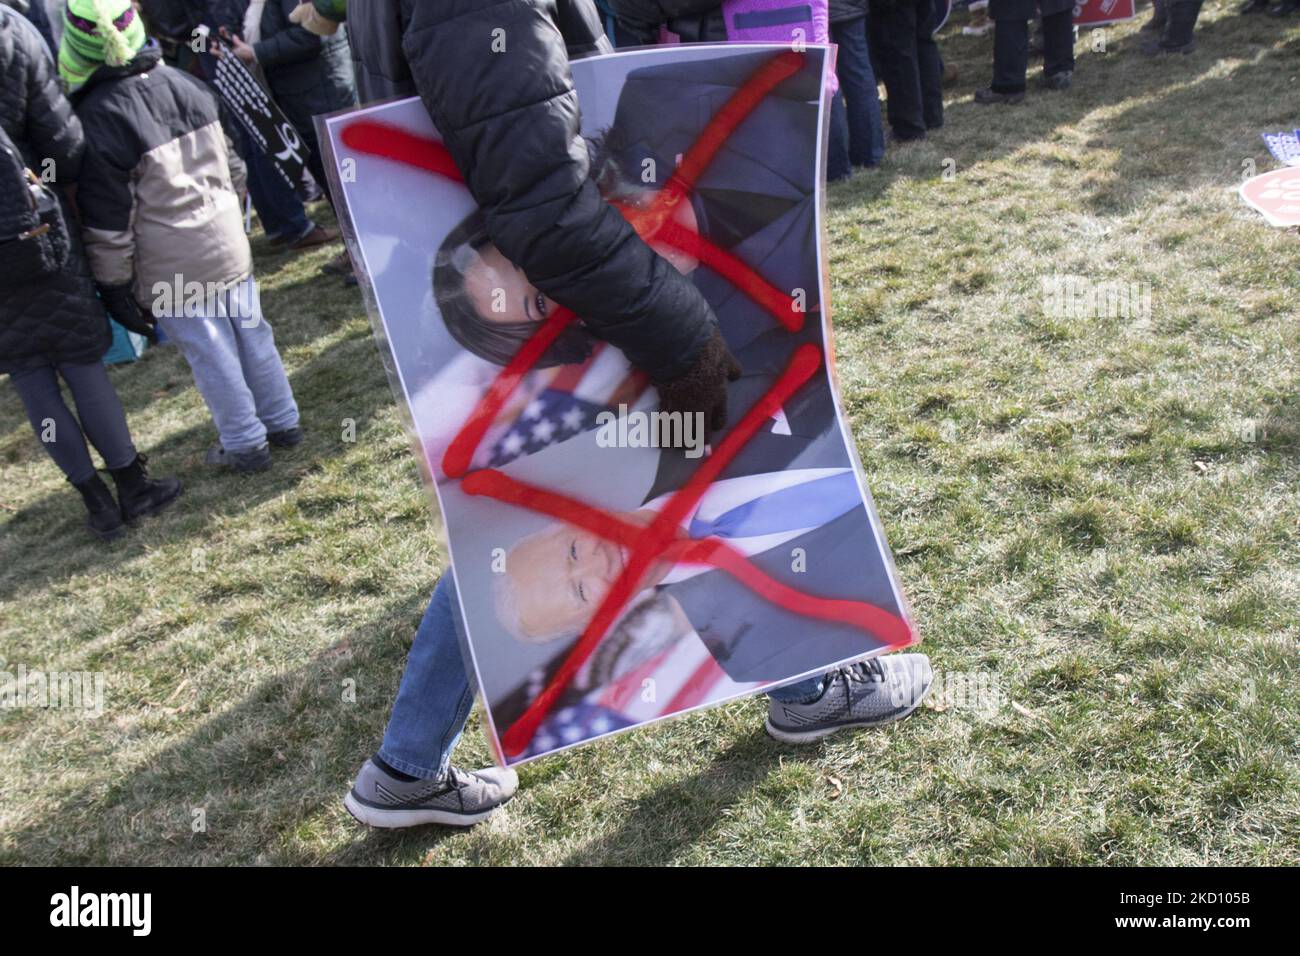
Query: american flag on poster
[550, 405]
[1096, 13]
[679, 678]
[567, 404]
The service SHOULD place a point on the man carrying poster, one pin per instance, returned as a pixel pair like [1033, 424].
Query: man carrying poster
[663, 321]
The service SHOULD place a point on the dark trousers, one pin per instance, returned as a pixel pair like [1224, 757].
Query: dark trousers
[1011, 50]
[903, 44]
[315, 161]
[303, 123]
[99, 408]
[278, 206]
[857, 135]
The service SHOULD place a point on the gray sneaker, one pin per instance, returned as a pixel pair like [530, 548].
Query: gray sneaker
[460, 799]
[256, 459]
[879, 691]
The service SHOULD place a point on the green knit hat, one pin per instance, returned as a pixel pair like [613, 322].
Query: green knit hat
[96, 32]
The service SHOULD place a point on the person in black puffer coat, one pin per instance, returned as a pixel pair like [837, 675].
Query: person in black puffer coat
[695, 21]
[55, 326]
[510, 118]
[512, 123]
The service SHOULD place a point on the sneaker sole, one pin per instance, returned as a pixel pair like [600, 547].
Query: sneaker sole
[808, 736]
[398, 819]
[240, 469]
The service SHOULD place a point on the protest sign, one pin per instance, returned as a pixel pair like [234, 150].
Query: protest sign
[250, 104]
[1096, 13]
[615, 564]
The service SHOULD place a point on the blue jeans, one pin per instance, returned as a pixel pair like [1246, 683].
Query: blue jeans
[237, 369]
[861, 130]
[435, 698]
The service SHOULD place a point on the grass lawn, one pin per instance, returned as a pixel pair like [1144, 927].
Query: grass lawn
[1096, 517]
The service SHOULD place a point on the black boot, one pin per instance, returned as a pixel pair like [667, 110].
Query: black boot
[1182, 22]
[141, 495]
[102, 516]
[1177, 36]
[1159, 14]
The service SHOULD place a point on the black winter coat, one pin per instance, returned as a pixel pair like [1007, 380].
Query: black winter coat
[510, 120]
[60, 319]
[375, 28]
[695, 21]
[307, 74]
[842, 11]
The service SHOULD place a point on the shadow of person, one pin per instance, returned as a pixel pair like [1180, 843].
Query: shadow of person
[654, 829]
[262, 768]
[45, 542]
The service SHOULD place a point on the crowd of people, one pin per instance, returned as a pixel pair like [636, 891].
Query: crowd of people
[124, 177]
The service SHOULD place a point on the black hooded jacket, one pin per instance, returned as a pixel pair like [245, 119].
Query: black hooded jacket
[695, 21]
[494, 76]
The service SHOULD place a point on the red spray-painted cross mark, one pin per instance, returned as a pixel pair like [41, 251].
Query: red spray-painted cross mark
[662, 539]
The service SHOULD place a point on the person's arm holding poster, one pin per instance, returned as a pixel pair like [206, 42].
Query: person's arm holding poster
[495, 79]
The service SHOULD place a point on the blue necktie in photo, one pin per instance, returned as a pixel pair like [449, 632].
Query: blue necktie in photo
[808, 505]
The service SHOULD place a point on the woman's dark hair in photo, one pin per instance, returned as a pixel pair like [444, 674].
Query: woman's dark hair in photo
[497, 342]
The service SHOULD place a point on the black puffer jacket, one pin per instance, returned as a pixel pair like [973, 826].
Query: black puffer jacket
[60, 319]
[375, 29]
[307, 74]
[695, 21]
[842, 11]
[510, 119]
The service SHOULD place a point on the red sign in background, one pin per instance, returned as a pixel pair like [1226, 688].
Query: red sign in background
[1095, 13]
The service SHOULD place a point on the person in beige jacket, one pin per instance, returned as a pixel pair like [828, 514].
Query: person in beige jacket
[159, 198]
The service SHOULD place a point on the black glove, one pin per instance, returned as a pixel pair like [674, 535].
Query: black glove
[122, 307]
[703, 386]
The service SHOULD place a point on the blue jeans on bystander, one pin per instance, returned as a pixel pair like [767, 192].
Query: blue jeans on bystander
[435, 697]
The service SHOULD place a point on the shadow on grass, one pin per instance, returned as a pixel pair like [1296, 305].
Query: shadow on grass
[655, 829]
[46, 541]
[260, 769]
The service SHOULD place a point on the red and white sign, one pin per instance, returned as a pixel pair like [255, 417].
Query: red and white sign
[1276, 195]
[1096, 13]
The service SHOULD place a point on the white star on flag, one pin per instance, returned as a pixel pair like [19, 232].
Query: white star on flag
[543, 430]
[572, 419]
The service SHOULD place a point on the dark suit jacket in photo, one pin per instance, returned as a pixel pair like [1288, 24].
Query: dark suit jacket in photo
[754, 639]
